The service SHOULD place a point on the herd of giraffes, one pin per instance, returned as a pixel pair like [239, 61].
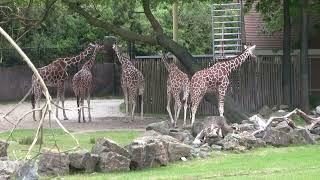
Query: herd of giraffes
[214, 79]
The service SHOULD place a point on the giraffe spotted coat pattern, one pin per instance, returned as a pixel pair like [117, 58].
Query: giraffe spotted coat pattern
[132, 81]
[177, 83]
[54, 75]
[215, 79]
[82, 84]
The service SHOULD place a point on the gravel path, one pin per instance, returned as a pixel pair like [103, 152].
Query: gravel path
[105, 113]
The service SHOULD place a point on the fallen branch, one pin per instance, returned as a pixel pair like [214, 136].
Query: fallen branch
[277, 118]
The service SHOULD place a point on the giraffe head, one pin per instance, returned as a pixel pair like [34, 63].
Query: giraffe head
[250, 49]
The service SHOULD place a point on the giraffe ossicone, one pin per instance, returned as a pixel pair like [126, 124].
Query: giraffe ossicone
[215, 79]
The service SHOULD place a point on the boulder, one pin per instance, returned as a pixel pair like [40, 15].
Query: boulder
[28, 170]
[112, 161]
[265, 111]
[315, 130]
[301, 136]
[249, 141]
[318, 109]
[147, 152]
[155, 151]
[104, 145]
[83, 160]
[284, 107]
[9, 168]
[230, 142]
[283, 127]
[3, 148]
[53, 164]
[276, 138]
[182, 136]
[196, 128]
[249, 127]
[161, 127]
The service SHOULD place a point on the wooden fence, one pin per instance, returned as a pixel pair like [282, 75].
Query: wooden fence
[257, 82]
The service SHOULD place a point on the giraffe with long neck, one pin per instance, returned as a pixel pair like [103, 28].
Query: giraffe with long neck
[177, 83]
[82, 83]
[54, 75]
[215, 79]
[133, 81]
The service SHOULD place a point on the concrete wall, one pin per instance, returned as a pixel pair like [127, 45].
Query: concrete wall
[16, 81]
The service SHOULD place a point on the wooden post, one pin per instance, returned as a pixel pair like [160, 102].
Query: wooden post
[175, 24]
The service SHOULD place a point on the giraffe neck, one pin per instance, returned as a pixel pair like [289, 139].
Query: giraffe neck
[78, 58]
[124, 61]
[89, 64]
[237, 61]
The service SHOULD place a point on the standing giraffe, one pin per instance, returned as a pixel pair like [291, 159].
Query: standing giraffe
[177, 83]
[82, 83]
[132, 81]
[54, 75]
[215, 79]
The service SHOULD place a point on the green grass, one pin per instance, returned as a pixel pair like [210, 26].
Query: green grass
[299, 162]
[63, 140]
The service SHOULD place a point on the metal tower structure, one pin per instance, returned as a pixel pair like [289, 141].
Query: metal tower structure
[226, 30]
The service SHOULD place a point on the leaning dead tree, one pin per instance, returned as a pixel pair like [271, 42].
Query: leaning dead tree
[46, 108]
[311, 122]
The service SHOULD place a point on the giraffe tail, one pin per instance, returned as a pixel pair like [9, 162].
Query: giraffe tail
[78, 101]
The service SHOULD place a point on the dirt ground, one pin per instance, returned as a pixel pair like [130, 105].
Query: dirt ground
[105, 113]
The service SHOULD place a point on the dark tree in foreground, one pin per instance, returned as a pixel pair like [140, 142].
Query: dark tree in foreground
[156, 38]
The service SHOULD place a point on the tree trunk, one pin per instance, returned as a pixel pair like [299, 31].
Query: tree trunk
[304, 57]
[286, 68]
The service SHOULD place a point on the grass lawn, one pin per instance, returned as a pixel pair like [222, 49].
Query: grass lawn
[296, 162]
[64, 141]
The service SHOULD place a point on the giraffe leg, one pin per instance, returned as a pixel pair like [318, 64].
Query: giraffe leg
[125, 93]
[177, 109]
[185, 106]
[79, 109]
[168, 106]
[221, 105]
[57, 102]
[195, 103]
[89, 108]
[141, 113]
[82, 107]
[62, 102]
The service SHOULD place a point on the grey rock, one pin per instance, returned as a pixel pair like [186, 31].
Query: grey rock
[301, 136]
[265, 111]
[215, 147]
[104, 145]
[246, 127]
[230, 142]
[249, 141]
[83, 160]
[155, 151]
[284, 107]
[112, 161]
[277, 138]
[3, 148]
[52, 163]
[315, 130]
[161, 127]
[182, 136]
[147, 152]
[9, 168]
[283, 127]
[27, 171]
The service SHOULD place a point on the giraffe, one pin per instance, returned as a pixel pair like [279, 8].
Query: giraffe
[82, 83]
[177, 83]
[54, 75]
[132, 81]
[215, 79]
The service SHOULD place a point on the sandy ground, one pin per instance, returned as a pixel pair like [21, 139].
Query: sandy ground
[105, 113]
